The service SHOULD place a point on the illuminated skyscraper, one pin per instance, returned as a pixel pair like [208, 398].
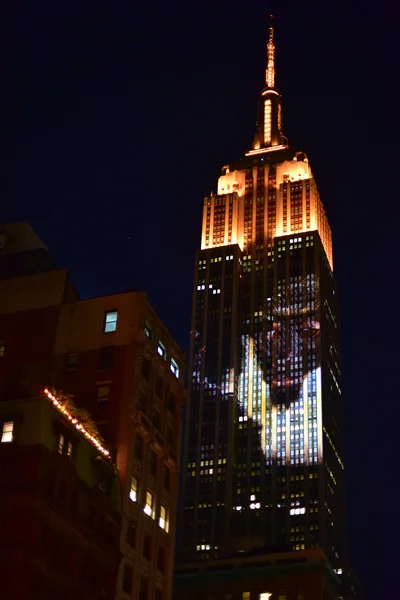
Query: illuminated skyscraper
[263, 454]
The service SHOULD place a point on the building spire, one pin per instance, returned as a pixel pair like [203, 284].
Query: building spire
[270, 72]
[269, 114]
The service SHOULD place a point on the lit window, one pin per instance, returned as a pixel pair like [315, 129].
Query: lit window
[8, 432]
[163, 521]
[133, 494]
[2, 349]
[245, 595]
[110, 323]
[65, 447]
[148, 331]
[174, 368]
[265, 595]
[102, 395]
[61, 441]
[161, 350]
[148, 509]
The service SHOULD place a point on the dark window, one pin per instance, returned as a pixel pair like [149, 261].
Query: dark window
[171, 403]
[156, 420]
[158, 594]
[138, 447]
[161, 559]
[73, 502]
[91, 517]
[146, 552]
[131, 534]
[166, 482]
[170, 436]
[159, 386]
[148, 331]
[142, 404]
[127, 579]
[72, 362]
[103, 393]
[63, 493]
[146, 369]
[143, 588]
[153, 463]
[106, 358]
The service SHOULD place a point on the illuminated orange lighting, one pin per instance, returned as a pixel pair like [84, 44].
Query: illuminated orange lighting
[263, 150]
[267, 121]
[270, 72]
[59, 406]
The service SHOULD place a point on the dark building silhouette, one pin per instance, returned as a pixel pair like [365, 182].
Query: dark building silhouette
[263, 454]
[298, 575]
[117, 359]
[60, 507]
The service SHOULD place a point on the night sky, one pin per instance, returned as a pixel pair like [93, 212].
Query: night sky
[120, 117]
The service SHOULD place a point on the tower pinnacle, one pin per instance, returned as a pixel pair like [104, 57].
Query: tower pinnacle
[270, 72]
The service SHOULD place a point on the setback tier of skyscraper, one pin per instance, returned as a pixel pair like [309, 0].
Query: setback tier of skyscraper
[263, 456]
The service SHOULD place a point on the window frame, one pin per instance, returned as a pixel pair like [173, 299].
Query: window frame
[163, 353]
[4, 432]
[174, 368]
[106, 322]
[165, 518]
[148, 330]
[130, 578]
[103, 400]
[134, 489]
[148, 508]
[66, 445]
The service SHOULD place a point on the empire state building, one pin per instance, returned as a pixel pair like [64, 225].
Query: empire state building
[263, 453]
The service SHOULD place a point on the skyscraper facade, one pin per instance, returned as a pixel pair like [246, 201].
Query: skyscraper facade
[263, 453]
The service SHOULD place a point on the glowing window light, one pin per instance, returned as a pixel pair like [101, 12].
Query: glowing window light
[61, 441]
[267, 121]
[161, 350]
[7, 433]
[174, 367]
[133, 494]
[297, 511]
[76, 423]
[149, 506]
[265, 595]
[111, 320]
[163, 520]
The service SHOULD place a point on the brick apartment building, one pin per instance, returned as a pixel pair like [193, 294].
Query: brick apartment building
[118, 360]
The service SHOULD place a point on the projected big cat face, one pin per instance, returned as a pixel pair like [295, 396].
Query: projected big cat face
[291, 344]
[286, 343]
